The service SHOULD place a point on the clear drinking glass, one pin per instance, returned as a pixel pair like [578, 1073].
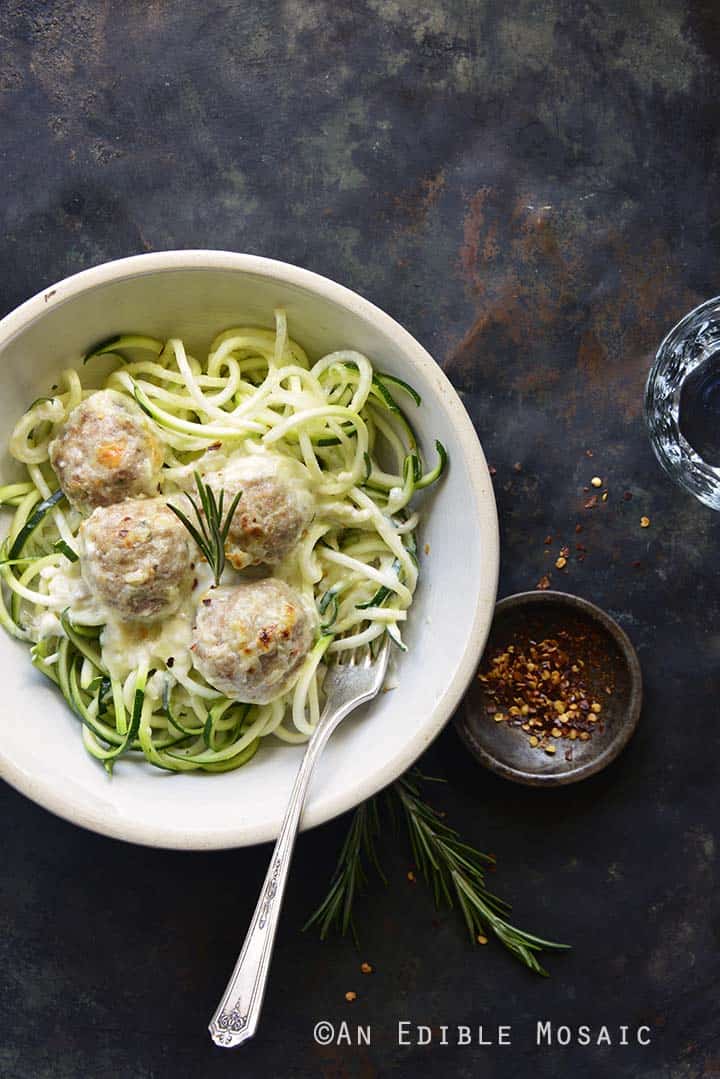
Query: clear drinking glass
[682, 403]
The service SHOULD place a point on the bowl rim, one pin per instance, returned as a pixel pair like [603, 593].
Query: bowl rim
[49, 794]
[629, 723]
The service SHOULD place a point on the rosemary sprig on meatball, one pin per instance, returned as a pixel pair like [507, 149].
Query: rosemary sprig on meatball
[212, 531]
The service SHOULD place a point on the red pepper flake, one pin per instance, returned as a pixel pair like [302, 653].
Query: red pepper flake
[637, 565]
[591, 502]
[564, 552]
[581, 558]
[517, 467]
[543, 583]
[492, 470]
[589, 453]
[548, 540]
[578, 529]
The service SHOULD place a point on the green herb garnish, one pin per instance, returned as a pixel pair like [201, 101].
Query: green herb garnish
[335, 911]
[454, 870]
[212, 530]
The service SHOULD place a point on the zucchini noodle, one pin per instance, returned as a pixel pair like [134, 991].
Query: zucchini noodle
[347, 430]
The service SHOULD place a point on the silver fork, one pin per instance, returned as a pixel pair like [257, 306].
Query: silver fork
[348, 684]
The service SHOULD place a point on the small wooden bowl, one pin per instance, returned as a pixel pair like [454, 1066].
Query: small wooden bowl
[610, 660]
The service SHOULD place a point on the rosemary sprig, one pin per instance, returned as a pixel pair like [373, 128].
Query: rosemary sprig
[454, 870]
[335, 911]
[212, 531]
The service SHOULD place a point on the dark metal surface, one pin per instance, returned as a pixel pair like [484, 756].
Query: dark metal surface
[532, 188]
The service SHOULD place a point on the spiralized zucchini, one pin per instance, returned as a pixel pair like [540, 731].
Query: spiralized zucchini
[347, 427]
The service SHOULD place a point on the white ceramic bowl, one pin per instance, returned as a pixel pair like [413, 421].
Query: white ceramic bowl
[195, 294]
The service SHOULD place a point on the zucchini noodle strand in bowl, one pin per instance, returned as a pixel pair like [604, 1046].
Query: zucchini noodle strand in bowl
[317, 465]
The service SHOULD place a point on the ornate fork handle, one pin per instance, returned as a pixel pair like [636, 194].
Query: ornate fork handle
[238, 1012]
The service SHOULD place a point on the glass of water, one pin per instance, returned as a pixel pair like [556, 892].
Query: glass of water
[682, 403]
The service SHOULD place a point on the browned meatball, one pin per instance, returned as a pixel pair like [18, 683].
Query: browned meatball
[249, 640]
[106, 451]
[136, 557]
[274, 509]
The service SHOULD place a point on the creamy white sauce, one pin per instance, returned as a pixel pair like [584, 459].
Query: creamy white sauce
[124, 645]
[127, 645]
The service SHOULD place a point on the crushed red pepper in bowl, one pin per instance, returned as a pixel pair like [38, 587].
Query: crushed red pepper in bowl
[558, 692]
[540, 687]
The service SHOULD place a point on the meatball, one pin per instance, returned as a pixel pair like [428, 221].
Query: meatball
[249, 640]
[106, 451]
[136, 557]
[274, 510]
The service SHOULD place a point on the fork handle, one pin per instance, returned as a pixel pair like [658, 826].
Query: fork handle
[238, 1012]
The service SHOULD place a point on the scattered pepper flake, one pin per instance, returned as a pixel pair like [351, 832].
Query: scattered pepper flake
[596, 481]
[517, 467]
[543, 583]
[589, 453]
[548, 540]
[350, 996]
[492, 470]
[366, 968]
[578, 529]
[591, 502]
[564, 552]
[644, 522]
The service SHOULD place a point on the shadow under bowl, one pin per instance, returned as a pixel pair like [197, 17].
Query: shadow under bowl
[610, 662]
